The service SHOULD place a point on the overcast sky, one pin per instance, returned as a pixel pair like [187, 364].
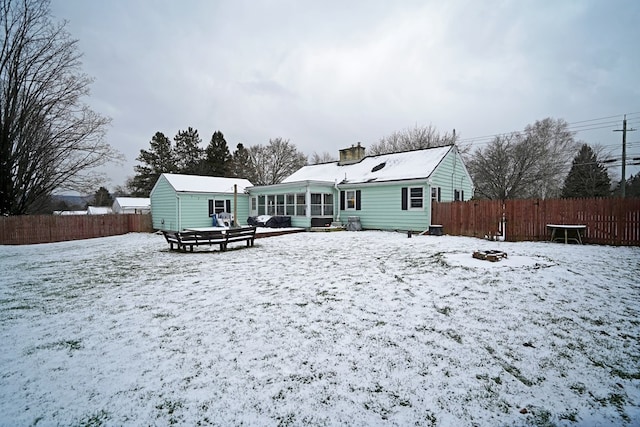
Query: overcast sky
[328, 74]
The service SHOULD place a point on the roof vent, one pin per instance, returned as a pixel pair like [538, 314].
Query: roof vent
[378, 167]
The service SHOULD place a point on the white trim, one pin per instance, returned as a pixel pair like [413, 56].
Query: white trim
[346, 200]
[409, 198]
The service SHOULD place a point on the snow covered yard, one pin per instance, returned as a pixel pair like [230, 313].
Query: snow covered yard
[367, 328]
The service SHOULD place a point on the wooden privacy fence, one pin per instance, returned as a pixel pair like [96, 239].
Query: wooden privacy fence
[27, 229]
[609, 221]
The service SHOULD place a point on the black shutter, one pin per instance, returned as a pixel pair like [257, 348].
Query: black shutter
[211, 210]
[342, 200]
[439, 193]
[358, 203]
[227, 206]
[405, 198]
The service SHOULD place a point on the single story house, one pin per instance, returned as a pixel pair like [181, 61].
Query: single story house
[386, 192]
[188, 201]
[131, 205]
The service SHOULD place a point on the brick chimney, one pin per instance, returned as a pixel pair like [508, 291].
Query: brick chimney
[351, 155]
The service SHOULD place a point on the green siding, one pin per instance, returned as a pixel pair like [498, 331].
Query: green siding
[177, 211]
[194, 208]
[451, 175]
[381, 208]
[164, 206]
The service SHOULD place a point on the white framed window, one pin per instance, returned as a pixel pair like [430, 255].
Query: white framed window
[280, 204]
[217, 206]
[416, 198]
[327, 205]
[435, 194]
[350, 196]
[301, 204]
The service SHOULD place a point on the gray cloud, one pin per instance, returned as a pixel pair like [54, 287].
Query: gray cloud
[328, 74]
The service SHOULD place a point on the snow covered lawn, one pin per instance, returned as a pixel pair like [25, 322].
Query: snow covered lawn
[368, 328]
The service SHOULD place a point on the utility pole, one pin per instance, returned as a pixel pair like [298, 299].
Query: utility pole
[624, 130]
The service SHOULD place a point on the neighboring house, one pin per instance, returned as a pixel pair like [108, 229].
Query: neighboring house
[99, 210]
[69, 213]
[132, 205]
[387, 192]
[188, 201]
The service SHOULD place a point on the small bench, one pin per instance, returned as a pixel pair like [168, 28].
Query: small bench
[240, 234]
[189, 238]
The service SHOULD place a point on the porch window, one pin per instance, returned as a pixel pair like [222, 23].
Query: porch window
[301, 204]
[261, 205]
[271, 205]
[280, 204]
[328, 204]
[290, 209]
[316, 204]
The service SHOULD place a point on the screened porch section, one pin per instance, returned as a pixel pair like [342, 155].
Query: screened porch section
[293, 204]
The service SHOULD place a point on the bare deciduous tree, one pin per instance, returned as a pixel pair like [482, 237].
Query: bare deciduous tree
[323, 157]
[555, 147]
[415, 138]
[49, 139]
[276, 161]
[524, 165]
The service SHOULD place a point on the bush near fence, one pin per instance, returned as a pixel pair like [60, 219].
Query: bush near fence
[609, 221]
[30, 229]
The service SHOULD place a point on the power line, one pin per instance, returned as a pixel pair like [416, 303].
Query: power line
[579, 126]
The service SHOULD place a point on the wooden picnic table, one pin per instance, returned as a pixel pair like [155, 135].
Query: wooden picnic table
[567, 232]
[208, 236]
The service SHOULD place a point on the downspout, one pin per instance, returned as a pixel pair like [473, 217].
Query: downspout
[179, 212]
[307, 202]
[337, 199]
[453, 174]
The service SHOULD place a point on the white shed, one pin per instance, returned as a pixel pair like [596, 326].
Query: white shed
[132, 205]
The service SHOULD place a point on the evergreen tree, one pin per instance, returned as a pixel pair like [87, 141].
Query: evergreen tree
[587, 177]
[187, 152]
[241, 166]
[217, 160]
[102, 197]
[159, 159]
[633, 186]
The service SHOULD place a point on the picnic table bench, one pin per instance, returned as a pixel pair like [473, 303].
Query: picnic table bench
[567, 232]
[191, 238]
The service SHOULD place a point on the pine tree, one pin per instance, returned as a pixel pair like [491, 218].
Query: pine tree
[217, 160]
[187, 152]
[587, 177]
[159, 159]
[241, 166]
[633, 186]
[102, 197]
